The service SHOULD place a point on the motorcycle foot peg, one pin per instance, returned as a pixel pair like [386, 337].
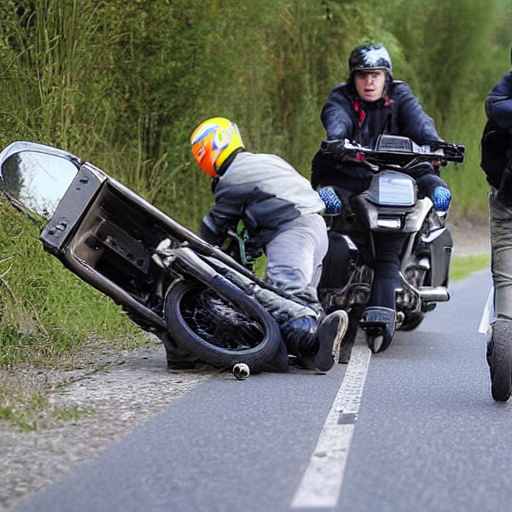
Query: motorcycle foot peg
[241, 371]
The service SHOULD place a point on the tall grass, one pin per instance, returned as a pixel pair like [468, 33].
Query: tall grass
[44, 309]
[123, 84]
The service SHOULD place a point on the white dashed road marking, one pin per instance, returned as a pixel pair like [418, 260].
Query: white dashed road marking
[321, 484]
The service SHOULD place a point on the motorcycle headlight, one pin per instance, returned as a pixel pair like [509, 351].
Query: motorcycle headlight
[396, 190]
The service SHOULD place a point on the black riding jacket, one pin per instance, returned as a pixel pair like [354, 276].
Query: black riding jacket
[496, 141]
[345, 116]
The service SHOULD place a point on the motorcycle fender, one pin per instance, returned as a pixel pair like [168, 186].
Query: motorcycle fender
[414, 219]
[440, 244]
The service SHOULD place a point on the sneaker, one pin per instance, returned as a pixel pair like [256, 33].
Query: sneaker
[330, 333]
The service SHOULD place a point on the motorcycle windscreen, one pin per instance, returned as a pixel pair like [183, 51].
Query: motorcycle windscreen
[34, 177]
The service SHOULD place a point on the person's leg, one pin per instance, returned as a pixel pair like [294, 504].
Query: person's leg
[295, 254]
[499, 335]
[388, 247]
[380, 315]
[501, 262]
[294, 262]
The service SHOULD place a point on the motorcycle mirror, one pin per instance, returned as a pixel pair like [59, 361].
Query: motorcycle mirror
[34, 177]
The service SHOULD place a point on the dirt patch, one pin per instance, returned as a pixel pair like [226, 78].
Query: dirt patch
[470, 235]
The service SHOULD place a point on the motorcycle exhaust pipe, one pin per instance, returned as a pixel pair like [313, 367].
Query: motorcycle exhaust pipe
[434, 294]
[428, 293]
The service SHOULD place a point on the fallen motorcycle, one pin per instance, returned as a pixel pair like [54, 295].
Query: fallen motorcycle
[389, 206]
[202, 304]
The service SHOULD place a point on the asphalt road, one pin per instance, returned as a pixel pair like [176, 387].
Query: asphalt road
[412, 429]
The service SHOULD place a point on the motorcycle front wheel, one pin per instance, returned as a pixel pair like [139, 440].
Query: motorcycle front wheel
[223, 332]
[412, 321]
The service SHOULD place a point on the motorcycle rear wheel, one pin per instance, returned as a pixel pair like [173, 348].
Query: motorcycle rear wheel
[223, 332]
[499, 357]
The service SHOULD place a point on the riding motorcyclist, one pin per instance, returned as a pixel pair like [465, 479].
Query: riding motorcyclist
[281, 212]
[369, 104]
[496, 161]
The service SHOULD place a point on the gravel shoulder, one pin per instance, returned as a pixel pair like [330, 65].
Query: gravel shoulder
[102, 393]
[470, 236]
[96, 399]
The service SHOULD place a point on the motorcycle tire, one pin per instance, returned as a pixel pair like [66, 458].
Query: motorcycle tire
[499, 358]
[412, 321]
[223, 332]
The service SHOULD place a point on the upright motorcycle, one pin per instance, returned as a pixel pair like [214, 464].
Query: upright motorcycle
[389, 206]
[201, 303]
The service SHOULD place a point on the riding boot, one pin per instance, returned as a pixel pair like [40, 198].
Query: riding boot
[379, 324]
[316, 346]
[299, 335]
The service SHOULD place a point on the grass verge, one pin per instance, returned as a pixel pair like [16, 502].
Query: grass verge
[463, 266]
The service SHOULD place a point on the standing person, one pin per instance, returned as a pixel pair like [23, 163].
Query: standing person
[496, 161]
[368, 104]
[281, 213]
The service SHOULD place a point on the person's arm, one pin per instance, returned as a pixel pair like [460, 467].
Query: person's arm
[412, 119]
[413, 122]
[336, 116]
[209, 232]
[498, 104]
[224, 215]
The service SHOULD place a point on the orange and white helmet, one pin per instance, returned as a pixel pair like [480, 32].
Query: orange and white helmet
[213, 141]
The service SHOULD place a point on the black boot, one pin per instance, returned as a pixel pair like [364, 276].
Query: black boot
[379, 324]
[316, 347]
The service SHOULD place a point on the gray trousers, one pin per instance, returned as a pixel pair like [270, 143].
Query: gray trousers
[501, 260]
[295, 254]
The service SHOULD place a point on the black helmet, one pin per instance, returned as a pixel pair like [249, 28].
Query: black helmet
[370, 57]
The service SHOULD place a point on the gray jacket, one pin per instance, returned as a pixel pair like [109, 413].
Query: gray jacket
[262, 190]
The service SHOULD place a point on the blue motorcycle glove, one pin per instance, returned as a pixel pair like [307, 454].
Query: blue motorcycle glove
[332, 201]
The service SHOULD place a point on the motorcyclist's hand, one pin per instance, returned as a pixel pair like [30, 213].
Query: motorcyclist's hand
[334, 147]
[454, 152]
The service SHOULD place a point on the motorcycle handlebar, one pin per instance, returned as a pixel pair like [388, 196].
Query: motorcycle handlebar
[393, 145]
